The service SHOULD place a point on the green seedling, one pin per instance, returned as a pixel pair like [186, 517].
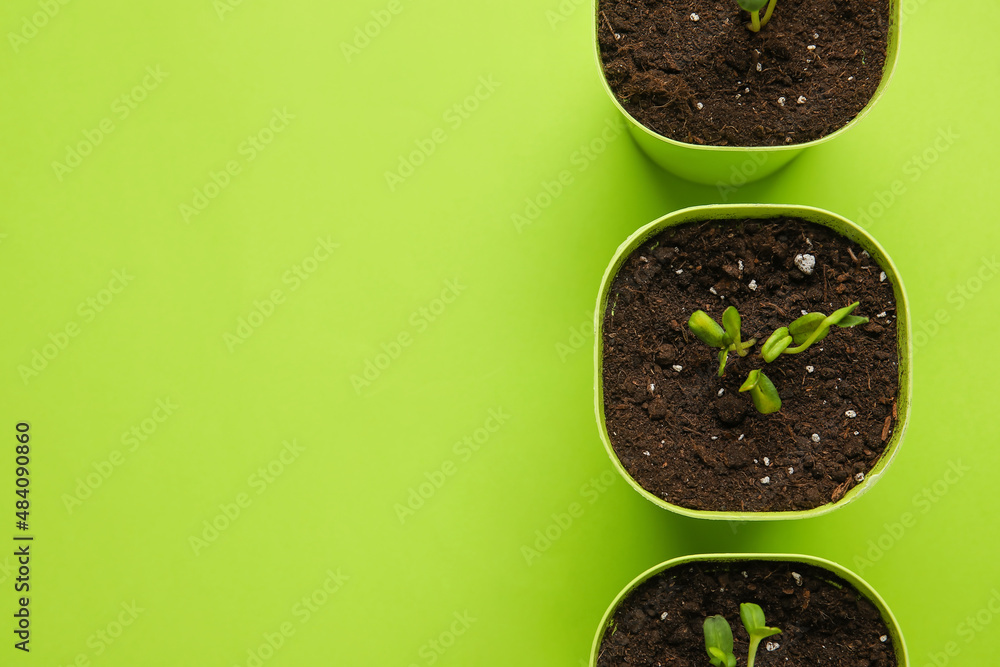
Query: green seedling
[719, 636]
[732, 322]
[753, 620]
[719, 642]
[762, 392]
[807, 330]
[754, 7]
[795, 338]
[727, 337]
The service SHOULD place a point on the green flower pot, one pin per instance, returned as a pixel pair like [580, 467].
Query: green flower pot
[733, 166]
[840, 225]
[862, 587]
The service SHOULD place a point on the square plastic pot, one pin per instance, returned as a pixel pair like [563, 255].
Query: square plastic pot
[862, 587]
[842, 226]
[736, 165]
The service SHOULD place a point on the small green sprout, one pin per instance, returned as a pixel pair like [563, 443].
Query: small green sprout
[754, 7]
[732, 322]
[727, 337]
[753, 620]
[807, 330]
[719, 636]
[762, 392]
[803, 332]
[707, 330]
[719, 641]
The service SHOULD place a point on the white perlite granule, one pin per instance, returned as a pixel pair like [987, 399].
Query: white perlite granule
[806, 264]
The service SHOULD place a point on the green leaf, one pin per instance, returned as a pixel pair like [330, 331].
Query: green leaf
[804, 327]
[838, 315]
[751, 380]
[731, 322]
[852, 321]
[776, 344]
[718, 634]
[753, 620]
[723, 355]
[762, 392]
[719, 641]
[720, 659]
[751, 5]
[707, 330]
[821, 330]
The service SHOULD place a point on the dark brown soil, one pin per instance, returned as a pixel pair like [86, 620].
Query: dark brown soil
[661, 65]
[823, 620]
[684, 442]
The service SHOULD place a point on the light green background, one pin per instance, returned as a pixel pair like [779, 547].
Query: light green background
[516, 339]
